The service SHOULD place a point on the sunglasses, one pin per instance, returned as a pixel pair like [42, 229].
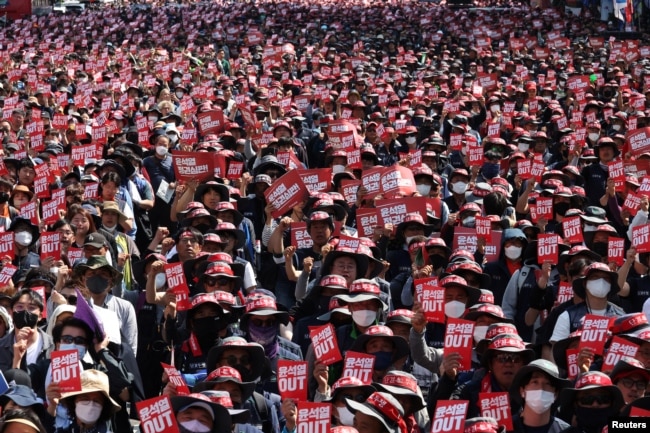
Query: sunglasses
[263, 322]
[69, 339]
[588, 400]
[214, 281]
[505, 358]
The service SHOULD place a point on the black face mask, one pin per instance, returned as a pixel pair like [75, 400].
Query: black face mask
[437, 261]
[207, 330]
[591, 419]
[600, 248]
[97, 284]
[323, 304]
[561, 208]
[4, 197]
[24, 319]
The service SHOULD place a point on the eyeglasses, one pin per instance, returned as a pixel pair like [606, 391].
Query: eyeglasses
[505, 358]
[638, 384]
[359, 398]
[69, 339]
[266, 323]
[232, 360]
[589, 400]
[214, 281]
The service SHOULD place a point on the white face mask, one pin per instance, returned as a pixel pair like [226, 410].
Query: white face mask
[364, 318]
[616, 127]
[110, 228]
[523, 147]
[345, 416]
[480, 332]
[469, 221]
[338, 168]
[513, 252]
[423, 189]
[589, 228]
[24, 239]
[177, 80]
[410, 140]
[454, 309]
[195, 426]
[161, 150]
[539, 401]
[459, 187]
[88, 412]
[494, 108]
[161, 280]
[594, 136]
[153, 119]
[180, 95]
[598, 288]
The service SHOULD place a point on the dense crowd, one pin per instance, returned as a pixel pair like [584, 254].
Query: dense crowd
[349, 217]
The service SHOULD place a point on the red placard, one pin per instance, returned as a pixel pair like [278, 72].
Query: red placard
[524, 167]
[359, 365]
[397, 181]
[75, 254]
[7, 245]
[156, 415]
[632, 203]
[176, 278]
[638, 141]
[314, 417]
[323, 340]
[317, 179]
[42, 181]
[299, 236]
[432, 298]
[618, 348]
[639, 412]
[616, 250]
[91, 190]
[349, 190]
[466, 239]
[484, 228]
[286, 192]
[30, 211]
[393, 211]
[176, 378]
[65, 370]
[211, 122]
[572, 229]
[641, 238]
[235, 170]
[367, 220]
[496, 405]
[449, 416]
[6, 273]
[292, 379]
[594, 333]
[617, 173]
[547, 248]
[538, 166]
[458, 338]
[371, 180]
[193, 165]
[572, 363]
[564, 293]
[544, 208]
[51, 245]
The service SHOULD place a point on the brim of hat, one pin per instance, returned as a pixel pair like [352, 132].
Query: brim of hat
[473, 315]
[223, 190]
[327, 316]
[361, 259]
[117, 275]
[355, 406]
[266, 165]
[255, 351]
[221, 414]
[241, 237]
[559, 351]
[624, 367]
[187, 221]
[238, 280]
[237, 219]
[247, 388]
[417, 402]
[360, 298]
[593, 220]
[568, 395]
[339, 211]
[367, 389]
[428, 228]
[526, 370]
[400, 350]
[283, 317]
[239, 416]
[566, 257]
[126, 165]
[114, 406]
[641, 403]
